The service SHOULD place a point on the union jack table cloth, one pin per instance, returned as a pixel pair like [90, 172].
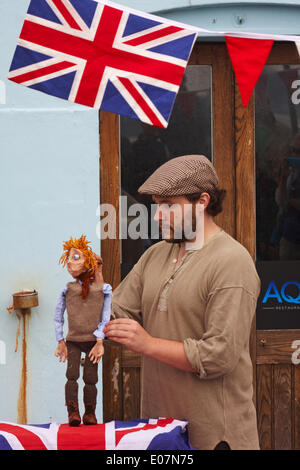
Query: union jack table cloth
[143, 434]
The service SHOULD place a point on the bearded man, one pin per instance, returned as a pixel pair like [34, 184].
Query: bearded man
[187, 307]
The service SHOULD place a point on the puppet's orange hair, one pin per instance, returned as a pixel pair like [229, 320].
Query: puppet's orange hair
[82, 245]
[90, 261]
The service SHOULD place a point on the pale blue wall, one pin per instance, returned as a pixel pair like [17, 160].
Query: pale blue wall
[49, 189]
[273, 16]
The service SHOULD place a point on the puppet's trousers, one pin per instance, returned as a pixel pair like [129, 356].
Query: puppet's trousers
[90, 373]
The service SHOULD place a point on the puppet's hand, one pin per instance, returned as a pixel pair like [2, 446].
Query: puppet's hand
[96, 352]
[61, 351]
[98, 270]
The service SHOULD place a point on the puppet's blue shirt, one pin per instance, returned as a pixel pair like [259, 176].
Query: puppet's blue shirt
[61, 307]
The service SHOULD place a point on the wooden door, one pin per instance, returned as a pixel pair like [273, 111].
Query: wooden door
[235, 154]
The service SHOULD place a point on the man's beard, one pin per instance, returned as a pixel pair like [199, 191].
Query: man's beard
[187, 233]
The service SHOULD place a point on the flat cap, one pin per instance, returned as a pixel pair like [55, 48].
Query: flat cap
[181, 175]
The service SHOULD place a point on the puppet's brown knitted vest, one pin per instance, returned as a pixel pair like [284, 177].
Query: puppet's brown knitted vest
[83, 315]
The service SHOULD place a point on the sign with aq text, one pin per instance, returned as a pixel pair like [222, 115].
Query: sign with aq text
[278, 306]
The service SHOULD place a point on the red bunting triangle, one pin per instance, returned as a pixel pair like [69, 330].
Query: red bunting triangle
[248, 58]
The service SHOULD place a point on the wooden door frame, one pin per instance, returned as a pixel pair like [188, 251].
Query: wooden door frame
[234, 160]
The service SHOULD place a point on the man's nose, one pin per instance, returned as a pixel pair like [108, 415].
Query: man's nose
[158, 214]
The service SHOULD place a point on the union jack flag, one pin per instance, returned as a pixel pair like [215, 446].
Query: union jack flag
[101, 55]
[143, 434]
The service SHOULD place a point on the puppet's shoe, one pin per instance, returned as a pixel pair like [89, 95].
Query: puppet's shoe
[89, 416]
[73, 413]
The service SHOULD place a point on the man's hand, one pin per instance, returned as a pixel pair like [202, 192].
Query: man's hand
[96, 352]
[130, 333]
[134, 337]
[61, 351]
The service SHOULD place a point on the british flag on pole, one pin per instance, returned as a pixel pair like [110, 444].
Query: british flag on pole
[104, 56]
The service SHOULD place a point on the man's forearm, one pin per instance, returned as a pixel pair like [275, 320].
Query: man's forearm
[169, 352]
[132, 335]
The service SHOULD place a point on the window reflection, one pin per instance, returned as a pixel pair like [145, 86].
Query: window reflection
[144, 148]
[277, 164]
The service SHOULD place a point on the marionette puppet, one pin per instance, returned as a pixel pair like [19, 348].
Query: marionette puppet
[87, 300]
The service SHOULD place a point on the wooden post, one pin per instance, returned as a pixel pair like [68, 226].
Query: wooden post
[245, 191]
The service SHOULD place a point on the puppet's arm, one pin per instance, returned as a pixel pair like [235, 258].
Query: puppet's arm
[98, 350]
[61, 350]
[105, 317]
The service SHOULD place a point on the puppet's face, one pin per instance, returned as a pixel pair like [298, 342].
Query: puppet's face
[75, 262]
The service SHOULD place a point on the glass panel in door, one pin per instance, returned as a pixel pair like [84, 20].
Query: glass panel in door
[277, 157]
[144, 148]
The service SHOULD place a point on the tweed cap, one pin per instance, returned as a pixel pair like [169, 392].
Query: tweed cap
[181, 175]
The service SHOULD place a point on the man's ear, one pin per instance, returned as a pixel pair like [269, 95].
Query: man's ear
[204, 199]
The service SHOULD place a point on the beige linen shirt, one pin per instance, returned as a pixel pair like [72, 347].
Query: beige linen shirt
[207, 303]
